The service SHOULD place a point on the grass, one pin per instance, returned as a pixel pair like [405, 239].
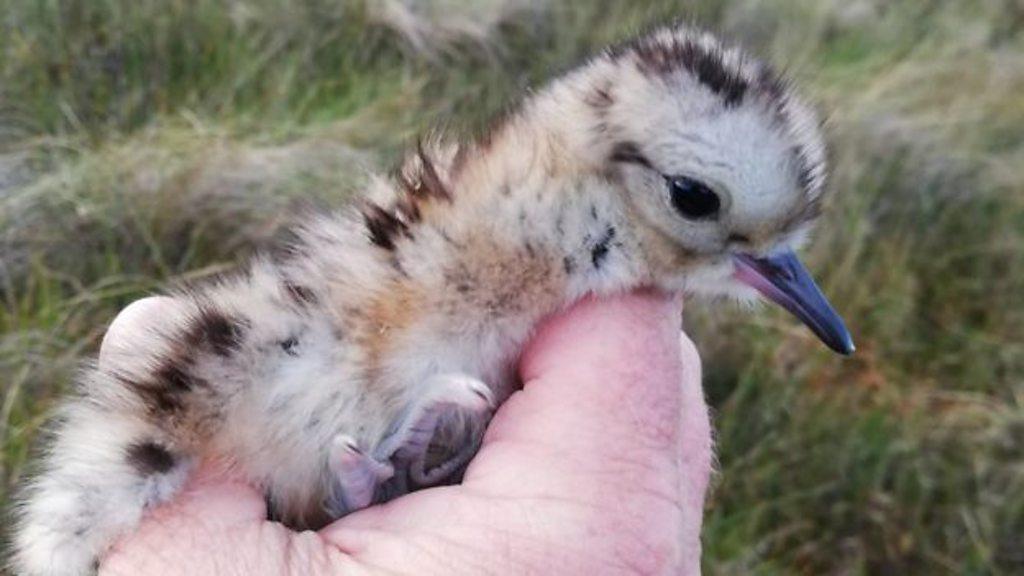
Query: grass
[144, 142]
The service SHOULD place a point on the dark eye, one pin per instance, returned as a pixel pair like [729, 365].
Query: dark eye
[692, 198]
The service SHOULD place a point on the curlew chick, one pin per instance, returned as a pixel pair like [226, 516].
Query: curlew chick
[366, 361]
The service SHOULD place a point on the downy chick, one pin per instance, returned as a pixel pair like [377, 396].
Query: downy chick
[367, 361]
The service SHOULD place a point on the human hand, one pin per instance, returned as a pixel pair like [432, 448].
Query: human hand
[598, 466]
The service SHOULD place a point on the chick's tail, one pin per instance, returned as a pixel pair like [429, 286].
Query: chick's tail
[116, 447]
[102, 471]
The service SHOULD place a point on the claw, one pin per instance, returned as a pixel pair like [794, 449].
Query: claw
[483, 392]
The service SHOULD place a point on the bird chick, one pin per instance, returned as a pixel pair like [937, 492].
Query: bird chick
[367, 361]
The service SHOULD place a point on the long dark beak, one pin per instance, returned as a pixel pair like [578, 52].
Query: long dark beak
[784, 280]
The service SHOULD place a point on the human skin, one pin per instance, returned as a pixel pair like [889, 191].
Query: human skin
[598, 466]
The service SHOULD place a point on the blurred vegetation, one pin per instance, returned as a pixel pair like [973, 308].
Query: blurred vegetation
[143, 142]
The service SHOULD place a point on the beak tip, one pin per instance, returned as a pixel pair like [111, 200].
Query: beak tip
[846, 347]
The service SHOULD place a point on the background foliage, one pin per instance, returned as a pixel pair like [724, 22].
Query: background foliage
[143, 142]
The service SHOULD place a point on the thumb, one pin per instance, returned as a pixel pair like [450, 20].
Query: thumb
[601, 398]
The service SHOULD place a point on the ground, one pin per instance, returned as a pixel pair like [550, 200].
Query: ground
[144, 143]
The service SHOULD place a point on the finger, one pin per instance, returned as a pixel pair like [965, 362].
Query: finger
[695, 458]
[134, 333]
[216, 497]
[220, 496]
[218, 526]
[217, 521]
[694, 425]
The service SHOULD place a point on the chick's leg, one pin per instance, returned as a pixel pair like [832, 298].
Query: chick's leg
[357, 476]
[441, 430]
